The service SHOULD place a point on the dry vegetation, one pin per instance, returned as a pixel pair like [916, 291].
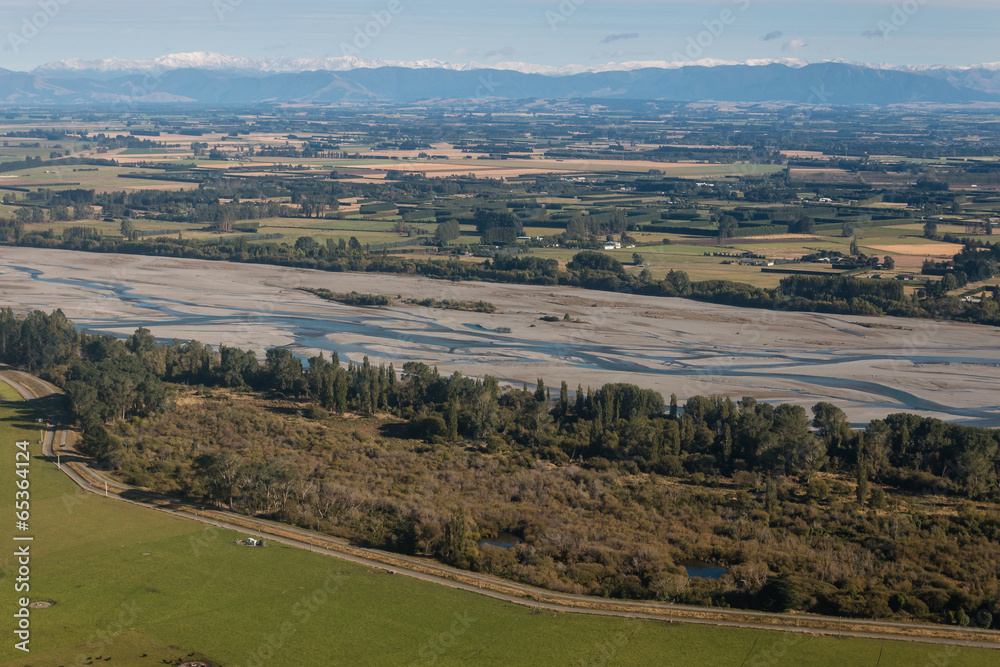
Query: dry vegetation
[601, 529]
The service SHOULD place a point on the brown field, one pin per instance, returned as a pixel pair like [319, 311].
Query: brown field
[882, 204]
[908, 264]
[779, 237]
[433, 170]
[946, 250]
[365, 179]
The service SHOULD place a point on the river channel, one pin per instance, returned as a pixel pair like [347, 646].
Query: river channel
[868, 366]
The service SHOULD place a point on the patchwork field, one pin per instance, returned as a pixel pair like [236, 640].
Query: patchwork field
[915, 248]
[121, 584]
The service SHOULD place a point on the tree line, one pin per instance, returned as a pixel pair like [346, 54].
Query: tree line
[108, 379]
[587, 269]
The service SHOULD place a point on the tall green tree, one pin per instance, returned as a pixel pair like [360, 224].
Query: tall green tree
[283, 371]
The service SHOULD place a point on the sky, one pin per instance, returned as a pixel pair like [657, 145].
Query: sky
[545, 32]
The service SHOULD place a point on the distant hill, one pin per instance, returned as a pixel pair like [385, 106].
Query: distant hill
[819, 83]
[974, 78]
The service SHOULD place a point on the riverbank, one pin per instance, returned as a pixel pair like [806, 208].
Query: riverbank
[868, 366]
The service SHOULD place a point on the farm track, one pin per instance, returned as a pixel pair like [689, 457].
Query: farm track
[46, 398]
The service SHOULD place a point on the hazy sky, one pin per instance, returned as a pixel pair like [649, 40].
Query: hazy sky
[550, 32]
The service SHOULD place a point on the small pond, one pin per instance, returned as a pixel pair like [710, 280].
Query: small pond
[703, 570]
[503, 540]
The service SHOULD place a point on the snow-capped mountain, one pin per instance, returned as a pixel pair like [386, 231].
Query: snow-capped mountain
[204, 60]
[211, 78]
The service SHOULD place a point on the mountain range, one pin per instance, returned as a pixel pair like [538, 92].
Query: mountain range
[208, 78]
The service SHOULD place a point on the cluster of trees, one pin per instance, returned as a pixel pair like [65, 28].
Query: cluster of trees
[455, 304]
[203, 205]
[447, 232]
[222, 215]
[107, 143]
[589, 263]
[10, 230]
[108, 379]
[581, 227]
[17, 165]
[105, 378]
[977, 261]
[883, 294]
[829, 294]
[498, 227]
[352, 298]
[45, 205]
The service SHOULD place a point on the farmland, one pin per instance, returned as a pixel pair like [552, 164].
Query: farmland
[155, 588]
[570, 180]
[751, 263]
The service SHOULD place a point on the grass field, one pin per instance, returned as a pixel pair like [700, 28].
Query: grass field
[14, 151]
[133, 586]
[366, 231]
[291, 234]
[104, 179]
[905, 243]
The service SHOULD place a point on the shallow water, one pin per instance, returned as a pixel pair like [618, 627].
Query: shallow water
[503, 540]
[401, 335]
[696, 568]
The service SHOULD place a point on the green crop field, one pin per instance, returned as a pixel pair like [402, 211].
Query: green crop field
[291, 234]
[134, 586]
[336, 225]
